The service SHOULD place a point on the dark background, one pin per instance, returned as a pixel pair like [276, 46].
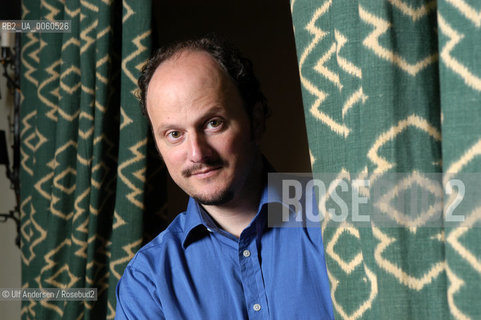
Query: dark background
[262, 30]
[10, 9]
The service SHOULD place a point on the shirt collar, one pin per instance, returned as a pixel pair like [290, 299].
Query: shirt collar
[195, 225]
[198, 223]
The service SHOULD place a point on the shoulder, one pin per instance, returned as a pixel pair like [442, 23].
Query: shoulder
[137, 291]
[154, 252]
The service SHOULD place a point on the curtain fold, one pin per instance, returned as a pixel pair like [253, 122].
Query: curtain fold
[84, 146]
[394, 87]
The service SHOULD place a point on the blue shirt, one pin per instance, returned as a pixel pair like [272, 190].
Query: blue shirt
[195, 270]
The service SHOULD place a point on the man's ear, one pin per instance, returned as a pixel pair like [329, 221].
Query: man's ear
[258, 122]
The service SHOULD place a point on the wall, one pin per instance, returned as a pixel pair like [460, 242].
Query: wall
[10, 269]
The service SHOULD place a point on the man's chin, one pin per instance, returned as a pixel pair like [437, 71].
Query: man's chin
[215, 200]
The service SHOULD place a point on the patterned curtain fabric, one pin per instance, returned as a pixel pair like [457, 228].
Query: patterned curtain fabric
[84, 151]
[395, 86]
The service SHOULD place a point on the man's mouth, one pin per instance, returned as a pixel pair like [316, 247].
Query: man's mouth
[206, 172]
[203, 169]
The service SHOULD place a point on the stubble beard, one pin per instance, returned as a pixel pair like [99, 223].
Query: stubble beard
[221, 198]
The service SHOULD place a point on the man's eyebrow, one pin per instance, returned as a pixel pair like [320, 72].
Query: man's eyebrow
[164, 127]
[212, 112]
[208, 114]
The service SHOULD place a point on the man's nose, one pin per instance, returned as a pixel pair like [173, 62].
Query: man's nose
[199, 148]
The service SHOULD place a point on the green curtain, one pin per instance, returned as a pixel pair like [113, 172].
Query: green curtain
[84, 146]
[395, 86]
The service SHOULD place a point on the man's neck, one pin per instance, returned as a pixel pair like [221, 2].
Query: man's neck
[236, 215]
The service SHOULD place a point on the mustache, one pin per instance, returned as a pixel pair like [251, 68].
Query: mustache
[206, 164]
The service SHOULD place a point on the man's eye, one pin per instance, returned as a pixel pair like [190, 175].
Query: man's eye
[215, 123]
[174, 135]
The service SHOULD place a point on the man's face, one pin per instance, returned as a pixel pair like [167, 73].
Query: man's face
[201, 127]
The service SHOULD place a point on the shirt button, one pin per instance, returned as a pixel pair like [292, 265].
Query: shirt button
[246, 253]
[256, 307]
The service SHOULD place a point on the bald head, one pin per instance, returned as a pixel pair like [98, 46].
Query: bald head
[228, 58]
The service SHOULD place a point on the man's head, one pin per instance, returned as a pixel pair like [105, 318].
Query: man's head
[207, 115]
[228, 58]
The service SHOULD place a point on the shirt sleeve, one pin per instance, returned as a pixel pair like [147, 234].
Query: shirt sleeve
[136, 297]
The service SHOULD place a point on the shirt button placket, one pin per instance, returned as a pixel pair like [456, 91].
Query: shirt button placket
[254, 290]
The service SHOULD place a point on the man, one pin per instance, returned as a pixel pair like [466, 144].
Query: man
[219, 259]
